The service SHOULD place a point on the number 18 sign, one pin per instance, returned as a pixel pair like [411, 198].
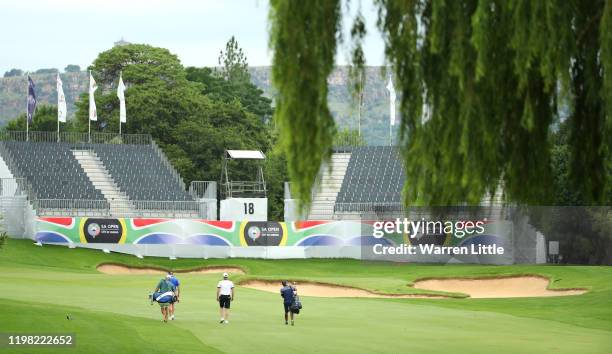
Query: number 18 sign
[244, 209]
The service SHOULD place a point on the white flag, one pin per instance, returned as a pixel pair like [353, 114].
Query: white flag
[391, 101]
[93, 114]
[121, 96]
[61, 101]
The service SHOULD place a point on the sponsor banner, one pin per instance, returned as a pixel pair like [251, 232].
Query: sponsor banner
[147, 231]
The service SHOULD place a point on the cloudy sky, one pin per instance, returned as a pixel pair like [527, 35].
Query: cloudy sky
[38, 34]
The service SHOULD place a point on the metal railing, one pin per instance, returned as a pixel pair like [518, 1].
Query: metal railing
[11, 187]
[10, 163]
[76, 137]
[69, 207]
[369, 207]
[133, 208]
[250, 189]
[203, 189]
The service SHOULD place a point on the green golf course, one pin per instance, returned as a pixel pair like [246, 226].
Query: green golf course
[54, 289]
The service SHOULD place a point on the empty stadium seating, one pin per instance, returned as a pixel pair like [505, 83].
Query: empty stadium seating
[374, 176]
[51, 170]
[60, 179]
[140, 172]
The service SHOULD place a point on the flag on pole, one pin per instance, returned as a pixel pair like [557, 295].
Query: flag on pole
[31, 100]
[93, 114]
[121, 96]
[391, 101]
[61, 101]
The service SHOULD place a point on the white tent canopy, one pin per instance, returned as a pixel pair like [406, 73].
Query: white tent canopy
[246, 154]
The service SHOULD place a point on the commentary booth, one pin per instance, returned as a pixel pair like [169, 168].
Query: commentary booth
[243, 198]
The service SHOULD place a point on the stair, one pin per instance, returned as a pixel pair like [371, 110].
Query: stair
[322, 207]
[103, 181]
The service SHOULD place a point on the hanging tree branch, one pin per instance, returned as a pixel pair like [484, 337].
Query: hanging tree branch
[494, 77]
[303, 37]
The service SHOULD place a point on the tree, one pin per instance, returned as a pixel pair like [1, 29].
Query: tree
[303, 36]
[242, 118]
[583, 231]
[193, 120]
[218, 88]
[158, 95]
[3, 238]
[72, 68]
[492, 75]
[45, 119]
[233, 62]
[232, 81]
[275, 170]
[348, 137]
[13, 72]
[47, 71]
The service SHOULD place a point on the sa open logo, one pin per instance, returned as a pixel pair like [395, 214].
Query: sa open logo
[94, 230]
[263, 233]
[254, 233]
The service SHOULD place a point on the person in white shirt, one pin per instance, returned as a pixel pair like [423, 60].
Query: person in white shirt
[225, 295]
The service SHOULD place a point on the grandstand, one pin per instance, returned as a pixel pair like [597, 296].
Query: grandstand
[374, 175]
[51, 169]
[365, 182]
[74, 174]
[126, 163]
[358, 181]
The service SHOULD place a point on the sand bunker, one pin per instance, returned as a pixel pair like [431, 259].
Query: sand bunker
[328, 290]
[502, 287]
[117, 269]
[519, 286]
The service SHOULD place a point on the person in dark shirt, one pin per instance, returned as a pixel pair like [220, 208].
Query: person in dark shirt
[288, 293]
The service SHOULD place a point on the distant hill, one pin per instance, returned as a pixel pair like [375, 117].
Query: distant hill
[13, 91]
[375, 112]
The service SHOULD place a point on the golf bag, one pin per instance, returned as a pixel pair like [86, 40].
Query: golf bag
[296, 305]
[163, 297]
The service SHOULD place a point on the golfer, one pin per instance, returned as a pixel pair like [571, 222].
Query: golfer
[225, 295]
[177, 287]
[288, 293]
[165, 286]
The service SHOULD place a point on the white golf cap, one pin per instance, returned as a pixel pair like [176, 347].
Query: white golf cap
[168, 276]
[225, 275]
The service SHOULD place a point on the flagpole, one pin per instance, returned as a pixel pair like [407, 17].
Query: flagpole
[390, 133]
[58, 107]
[89, 115]
[27, 111]
[120, 79]
[392, 110]
[360, 104]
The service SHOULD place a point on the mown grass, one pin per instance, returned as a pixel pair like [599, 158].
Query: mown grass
[111, 313]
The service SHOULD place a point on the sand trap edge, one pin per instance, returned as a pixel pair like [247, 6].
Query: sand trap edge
[159, 270]
[499, 277]
[357, 292]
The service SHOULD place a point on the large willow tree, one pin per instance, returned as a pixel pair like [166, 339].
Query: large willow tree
[482, 82]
